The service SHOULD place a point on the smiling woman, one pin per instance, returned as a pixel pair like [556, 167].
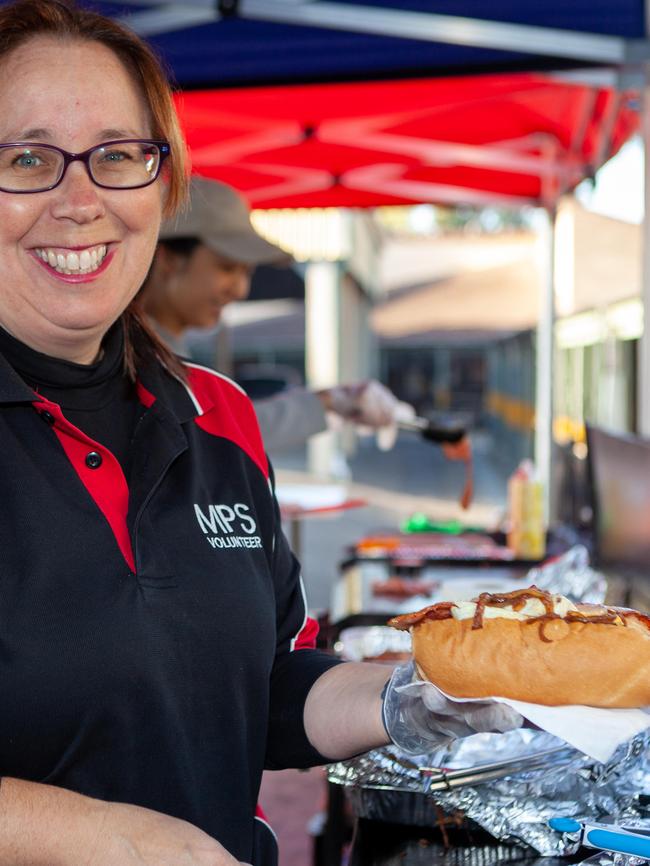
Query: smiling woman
[155, 648]
[151, 666]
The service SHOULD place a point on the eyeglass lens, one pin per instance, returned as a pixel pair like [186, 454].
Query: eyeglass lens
[118, 165]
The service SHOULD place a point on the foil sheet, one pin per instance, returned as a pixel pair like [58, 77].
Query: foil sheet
[609, 859]
[513, 803]
[570, 575]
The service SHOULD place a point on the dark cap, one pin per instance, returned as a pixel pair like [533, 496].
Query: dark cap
[219, 217]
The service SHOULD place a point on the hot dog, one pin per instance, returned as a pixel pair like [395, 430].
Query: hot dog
[532, 646]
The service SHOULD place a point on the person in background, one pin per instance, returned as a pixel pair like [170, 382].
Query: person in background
[204, 261]
[155, 649]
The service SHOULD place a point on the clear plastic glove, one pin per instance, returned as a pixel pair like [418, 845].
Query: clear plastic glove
[369, 404]
[419, 718]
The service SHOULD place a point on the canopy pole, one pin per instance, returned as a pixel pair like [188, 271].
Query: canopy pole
[544, 355]
[450, 29]
[643, 356]
[322, 353]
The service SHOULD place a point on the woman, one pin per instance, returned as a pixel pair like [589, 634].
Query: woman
[153, 634]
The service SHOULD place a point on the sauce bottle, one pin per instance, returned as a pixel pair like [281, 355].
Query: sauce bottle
[526, 535]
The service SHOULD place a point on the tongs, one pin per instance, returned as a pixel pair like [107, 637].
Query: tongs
[431, 432]
[442, 779]
[458, 448]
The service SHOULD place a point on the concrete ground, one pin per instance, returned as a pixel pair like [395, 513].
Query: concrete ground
[413, 477]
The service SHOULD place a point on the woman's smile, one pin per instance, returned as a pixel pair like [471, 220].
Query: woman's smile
[79, 265]
[84, 261]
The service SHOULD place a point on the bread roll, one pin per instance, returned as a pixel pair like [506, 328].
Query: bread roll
[531, 646]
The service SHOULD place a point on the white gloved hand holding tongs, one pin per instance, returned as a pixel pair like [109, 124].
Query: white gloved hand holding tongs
[371, 406]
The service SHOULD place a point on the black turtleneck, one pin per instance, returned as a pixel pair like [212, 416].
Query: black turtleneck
[97, 398]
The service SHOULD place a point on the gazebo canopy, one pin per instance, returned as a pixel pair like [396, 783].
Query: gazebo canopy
[490, 139]
[315, 103]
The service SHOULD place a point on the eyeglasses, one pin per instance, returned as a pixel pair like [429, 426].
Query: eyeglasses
[124, 164]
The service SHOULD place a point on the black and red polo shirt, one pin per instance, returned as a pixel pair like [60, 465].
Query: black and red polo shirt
[154, 641]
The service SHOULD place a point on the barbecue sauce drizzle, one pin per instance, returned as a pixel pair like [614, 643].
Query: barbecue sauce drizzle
[516, 600]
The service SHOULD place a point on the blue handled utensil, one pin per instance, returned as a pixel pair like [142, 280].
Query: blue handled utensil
[606, 837]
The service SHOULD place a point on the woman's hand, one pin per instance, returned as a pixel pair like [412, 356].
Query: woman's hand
[42, 825]
[133, 836]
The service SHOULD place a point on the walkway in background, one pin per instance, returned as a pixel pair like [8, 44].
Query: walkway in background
[412, 477]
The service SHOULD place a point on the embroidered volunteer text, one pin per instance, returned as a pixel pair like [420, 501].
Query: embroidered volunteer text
[223, 523]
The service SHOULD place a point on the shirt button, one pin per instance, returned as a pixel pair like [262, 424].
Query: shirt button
[48, 417]
[93, 460]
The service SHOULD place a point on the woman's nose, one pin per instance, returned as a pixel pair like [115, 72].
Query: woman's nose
[77, 197]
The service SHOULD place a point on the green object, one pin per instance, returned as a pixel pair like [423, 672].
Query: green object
[419, 522]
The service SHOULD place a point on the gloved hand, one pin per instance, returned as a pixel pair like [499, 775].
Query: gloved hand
[419, 718]
[369, 404]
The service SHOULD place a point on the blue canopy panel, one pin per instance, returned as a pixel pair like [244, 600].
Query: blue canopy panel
[624, 18]
[237, 52]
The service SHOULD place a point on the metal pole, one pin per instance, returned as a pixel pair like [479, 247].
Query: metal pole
[450, 29]
[322, 351]
[643, 356]
[544, 355]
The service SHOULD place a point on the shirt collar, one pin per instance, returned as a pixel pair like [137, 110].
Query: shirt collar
[12, 387]
[158, 384]
[156, 381]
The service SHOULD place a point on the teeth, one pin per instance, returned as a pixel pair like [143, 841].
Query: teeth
[74, 263]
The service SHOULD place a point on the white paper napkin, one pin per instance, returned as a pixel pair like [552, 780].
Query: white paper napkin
[596, 732]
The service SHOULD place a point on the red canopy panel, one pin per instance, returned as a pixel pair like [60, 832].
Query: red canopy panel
[497, 139]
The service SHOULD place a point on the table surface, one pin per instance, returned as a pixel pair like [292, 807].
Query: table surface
[301, 500]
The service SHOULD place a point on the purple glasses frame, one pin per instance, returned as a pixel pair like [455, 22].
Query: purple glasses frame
[163, 147]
